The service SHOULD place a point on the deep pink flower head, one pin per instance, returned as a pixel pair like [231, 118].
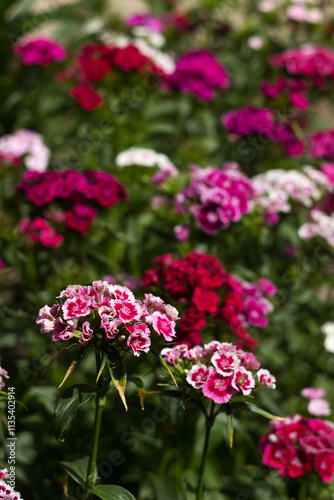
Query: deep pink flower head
[40, 51]
[311, 61]
[322, 144]
[199, 72]
[299, 445]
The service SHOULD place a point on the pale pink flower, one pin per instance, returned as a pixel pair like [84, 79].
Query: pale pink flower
[319, 407]
[313, 392]
[86, 332]
[127, 310]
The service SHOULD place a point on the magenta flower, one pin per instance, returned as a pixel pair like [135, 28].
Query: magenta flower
[218, 388]
[199, 72]
[40, 51]
[163, 325]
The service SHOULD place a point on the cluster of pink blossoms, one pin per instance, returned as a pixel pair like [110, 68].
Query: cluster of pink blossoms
[40, 231]
[79, 189]
[321, 224]
[27, 146]
[91, 314]
[3, 374]
[39, 51]
[311, 61]
[199, 72]
[6, 491]
[322, 144]
[299, 445]
[215, 197]
[293, 88]
[219, 369]
[250, 120]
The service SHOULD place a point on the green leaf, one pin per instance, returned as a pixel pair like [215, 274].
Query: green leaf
[112, 492]
[69, 403]
[103, 364]
[264, 413]
[164, 364]
[77, 469]
[117, 373]
[72, 366]
[230, 426]
[140, 388]
[254, 409]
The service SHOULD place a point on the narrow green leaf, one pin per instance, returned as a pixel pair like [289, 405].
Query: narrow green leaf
[118, 373]
[77, 469]
[112, 492]
[68, 405]
[103, 364]
[72, 366]
[140, 388]
[164, 364]
[264, 413]
[229, 420]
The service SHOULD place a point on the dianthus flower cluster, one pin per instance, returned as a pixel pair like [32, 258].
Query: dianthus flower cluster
[27, 145]
[215, 197]
[219, 369]
[103, 312]
[322, 144]
[251, 120]
[96, 60]
[311, 61]
[321, 224]
[304, 11]
[39, 51]
[199, 72]
[299, 445]
[293, 88]
[78, 188]
[148, 158]
[208, 293]
[40, 231]
[3, 374]
[274, 190]
[6, 491]
[154, 23]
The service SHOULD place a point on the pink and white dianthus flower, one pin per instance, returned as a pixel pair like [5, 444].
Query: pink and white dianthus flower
[218, 388]
[198, 375]
[225, 362]
[107, 313]
[139, 338]
[163, 325]
[266, 378]
[243, 380]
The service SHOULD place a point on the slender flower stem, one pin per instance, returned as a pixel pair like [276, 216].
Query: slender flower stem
[100, 401]
[209, 421]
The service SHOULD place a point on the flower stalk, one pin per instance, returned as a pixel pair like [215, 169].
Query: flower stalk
[209, 421]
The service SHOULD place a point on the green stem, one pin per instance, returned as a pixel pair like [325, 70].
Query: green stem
[100, 401]
[209, 421]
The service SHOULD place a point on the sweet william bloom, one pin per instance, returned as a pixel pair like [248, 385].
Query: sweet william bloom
[76, 307]
[218, 388]
[86, 97]
[163, 325]
[225, 362]
[39, 51]
[243, 380]
[266, 378]
[198, 375]
[3, 374]
[324, 465]
[139, 338]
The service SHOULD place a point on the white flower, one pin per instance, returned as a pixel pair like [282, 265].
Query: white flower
[328, 330]
[27, 142]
